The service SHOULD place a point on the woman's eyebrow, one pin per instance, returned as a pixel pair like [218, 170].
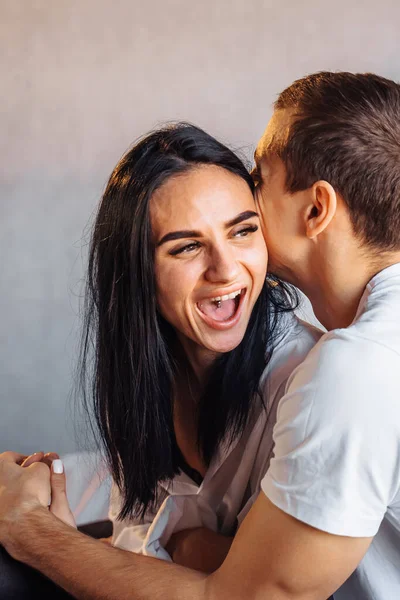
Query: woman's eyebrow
[191, 233]
[248, 214]
[177, 235]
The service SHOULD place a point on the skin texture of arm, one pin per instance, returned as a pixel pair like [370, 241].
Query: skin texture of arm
[273, 556]
[90, 569]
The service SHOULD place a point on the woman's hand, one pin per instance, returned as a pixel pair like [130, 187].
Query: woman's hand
[200, 549]
[59, 506]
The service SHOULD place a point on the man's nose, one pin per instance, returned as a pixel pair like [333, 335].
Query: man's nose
[223, 266]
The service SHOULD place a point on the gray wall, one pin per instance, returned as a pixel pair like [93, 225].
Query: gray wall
[80, 79]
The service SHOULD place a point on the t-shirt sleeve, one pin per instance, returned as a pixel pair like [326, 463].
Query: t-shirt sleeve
[336, 459]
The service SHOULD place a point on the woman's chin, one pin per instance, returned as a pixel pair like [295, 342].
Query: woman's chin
[224, 343]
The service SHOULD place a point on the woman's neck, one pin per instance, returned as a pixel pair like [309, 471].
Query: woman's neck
[191, 375]
[199, 360]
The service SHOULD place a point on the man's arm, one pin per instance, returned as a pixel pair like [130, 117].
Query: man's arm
[198, 548]
[273, 556]
[91, 570]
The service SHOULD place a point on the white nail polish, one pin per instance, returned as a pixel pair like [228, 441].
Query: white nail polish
[58, 466]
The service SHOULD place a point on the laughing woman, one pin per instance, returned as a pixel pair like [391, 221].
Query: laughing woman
[192, 345]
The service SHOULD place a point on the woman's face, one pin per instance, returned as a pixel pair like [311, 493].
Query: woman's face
[210, 257]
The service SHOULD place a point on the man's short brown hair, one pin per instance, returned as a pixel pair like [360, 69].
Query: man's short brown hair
[346, 130]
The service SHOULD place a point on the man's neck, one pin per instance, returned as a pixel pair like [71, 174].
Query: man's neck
[335, 291]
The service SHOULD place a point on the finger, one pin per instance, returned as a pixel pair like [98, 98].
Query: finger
[37, 479]
[52, 455]
[12, 457]
[38, 467]
[40, 457]
[58, 482]
[36, 457]
[59, 501]
[49, 457]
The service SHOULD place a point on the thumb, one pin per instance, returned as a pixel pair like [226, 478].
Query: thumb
[58, 482]
[59, 502]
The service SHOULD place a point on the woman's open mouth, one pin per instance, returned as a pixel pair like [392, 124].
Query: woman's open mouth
[222, 312]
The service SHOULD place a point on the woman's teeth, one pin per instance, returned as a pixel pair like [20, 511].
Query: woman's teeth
[226, 296]
[221, 308]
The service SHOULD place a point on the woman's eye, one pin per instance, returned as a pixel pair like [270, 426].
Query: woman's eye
[246, 231]
[185, 249]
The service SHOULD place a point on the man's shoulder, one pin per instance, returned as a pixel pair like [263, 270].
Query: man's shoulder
[294, 340]
[358, 344]
[346, 363]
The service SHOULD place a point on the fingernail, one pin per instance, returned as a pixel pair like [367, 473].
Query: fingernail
[58, 466]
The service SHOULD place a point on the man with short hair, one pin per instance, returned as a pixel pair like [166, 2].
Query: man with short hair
[328, 517]
[328, 168]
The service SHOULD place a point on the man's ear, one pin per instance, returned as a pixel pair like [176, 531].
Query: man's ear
[322, 208]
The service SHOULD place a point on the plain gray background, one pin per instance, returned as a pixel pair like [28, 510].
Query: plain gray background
[80, 80]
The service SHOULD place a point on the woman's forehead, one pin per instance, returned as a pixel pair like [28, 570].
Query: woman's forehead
[208, 192]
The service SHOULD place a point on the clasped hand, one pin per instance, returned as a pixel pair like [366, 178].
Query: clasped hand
[28, 483]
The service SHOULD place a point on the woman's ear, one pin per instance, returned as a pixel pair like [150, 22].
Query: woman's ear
[322, 209]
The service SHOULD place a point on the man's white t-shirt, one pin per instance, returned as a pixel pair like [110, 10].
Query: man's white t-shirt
[336, 463]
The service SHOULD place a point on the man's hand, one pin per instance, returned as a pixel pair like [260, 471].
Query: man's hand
[59, 503]
[22, 490]
[199, 548]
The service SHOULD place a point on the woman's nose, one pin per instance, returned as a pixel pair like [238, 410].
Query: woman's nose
[223, 266]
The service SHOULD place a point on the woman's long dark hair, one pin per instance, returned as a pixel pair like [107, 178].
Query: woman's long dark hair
[126, 364]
